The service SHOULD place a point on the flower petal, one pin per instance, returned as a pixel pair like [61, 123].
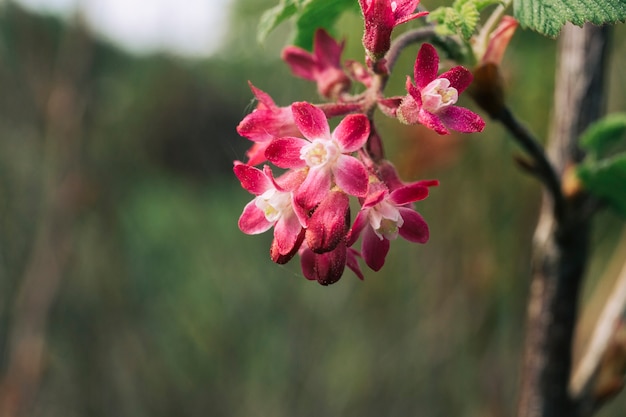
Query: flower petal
[256, 153]
[264, 99]
[326, 50]
[353, 263]
[252, 179]
[414, 228]
[286, 232]
[351, 175]
[461, 119]
[357, 227]
[426, 65]
[460, 78]
[285, 152]
[314, 188]
[329, 266]
[408, 194]
[252, 220]
[280, 258]
[310, 120]
[432, 122]
[374, 249]
[352, 132]
[301, 62]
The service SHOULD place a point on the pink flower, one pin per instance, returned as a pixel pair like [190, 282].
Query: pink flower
[431, 101]
[499, 40]
[326, 155]
[381, 16]
[329, 223]
[272, 206]
[265, 123]
[385, 215]
[322, 66]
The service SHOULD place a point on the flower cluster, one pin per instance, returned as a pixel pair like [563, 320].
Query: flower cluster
[322, 169]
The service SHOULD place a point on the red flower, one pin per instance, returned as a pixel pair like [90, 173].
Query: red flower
[265, 123]
[326, 155]
[431, 101]
[381, 16]
[322, 66]
[272, 206]
[385, 215]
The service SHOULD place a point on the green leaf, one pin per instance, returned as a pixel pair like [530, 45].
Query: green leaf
[309, 16]
[319, 14]
[606, 179]
[600, 136]
[548, 16]
[273, 17]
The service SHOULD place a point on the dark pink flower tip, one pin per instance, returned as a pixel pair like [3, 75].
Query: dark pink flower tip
[412, 192]
[301, 62]
[499, 40]
[328, 224]
[351, 176]
[283, 258]
[381, 16]
[326, 268]
[352, 262]
[310, 120]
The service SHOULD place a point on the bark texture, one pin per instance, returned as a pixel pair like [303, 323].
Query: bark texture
[561, 243]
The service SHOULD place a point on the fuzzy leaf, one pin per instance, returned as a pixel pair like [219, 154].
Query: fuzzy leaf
[606, 179]
[273, 17]
[459, 19]
[548, 16]
[600, 136]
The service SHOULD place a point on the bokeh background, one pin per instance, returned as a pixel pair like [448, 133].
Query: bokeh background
[126, 288]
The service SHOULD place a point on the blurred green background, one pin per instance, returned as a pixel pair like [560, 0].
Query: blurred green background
[120, 243]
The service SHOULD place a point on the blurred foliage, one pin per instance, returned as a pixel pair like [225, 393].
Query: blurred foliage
[166, 309]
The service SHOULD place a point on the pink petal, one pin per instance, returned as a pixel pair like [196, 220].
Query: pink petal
[374, 249]
[405, 8]
[328, 225]
[408, 194]
[353, 263]
[375, 194]
[281, 258]
[314, 188]
[414, 228]
[357, 227]
[301, 62]
[461, 119]
[285, 152]
[327, 50]
[459, 77]
[286, 232]
[256, 153]
[310, 120]
[252, 179]
[426, 65]
[352, 132]
[432, 122]
[389, 106]
[289, 181]
[252, 221]
[351, 176]
[265, 101]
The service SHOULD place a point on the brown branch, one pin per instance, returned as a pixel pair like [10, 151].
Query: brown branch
[560, 245]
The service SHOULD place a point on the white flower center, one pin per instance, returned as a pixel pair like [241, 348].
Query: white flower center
[438, 95]
[320, 152]
[274, 204]
[386, 220]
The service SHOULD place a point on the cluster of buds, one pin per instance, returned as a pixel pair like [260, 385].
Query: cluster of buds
[308, 205]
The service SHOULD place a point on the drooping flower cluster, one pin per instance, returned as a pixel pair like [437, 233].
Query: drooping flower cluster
[309, 204]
